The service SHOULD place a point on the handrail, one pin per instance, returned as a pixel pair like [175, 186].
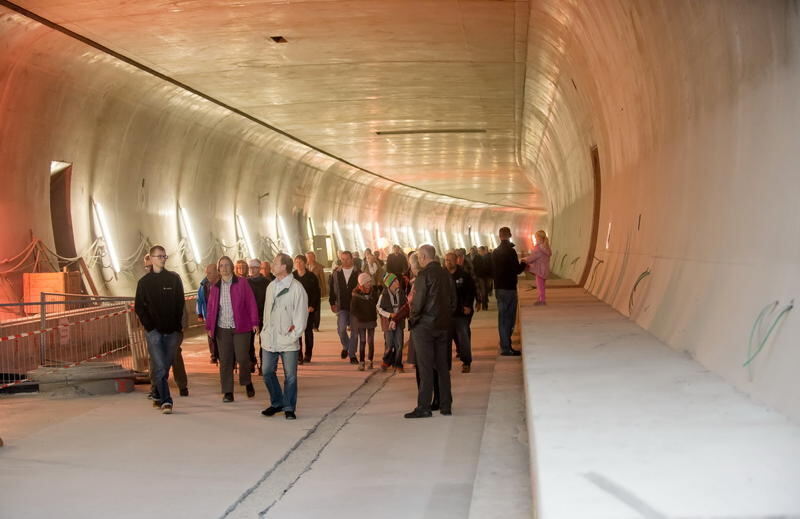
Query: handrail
[751, 355]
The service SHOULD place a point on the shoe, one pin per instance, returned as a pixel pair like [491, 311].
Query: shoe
[271, 411]
[511, 353]
[151, 396]
[353, 360]
[344, 354]
[214, 360]
[228, 397]
[307, 360]
[316, 330]
[400, 369]
[290, 415]
[416, 413]
[251, 392]
[253, 367]
[360, 366]
[184, 391]
[446, 412]
[299, 361]
[157, 404]
[384, 366]
[435, 406]
[166, 408]
[370, 365]
[465, 368]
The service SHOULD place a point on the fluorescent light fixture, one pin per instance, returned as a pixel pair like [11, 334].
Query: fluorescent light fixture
[395, 236]
[247, 240]
[338, 233]
[476, 239]
[608, 236]
[412, 240]
[494, 241]
[460, 240]
[377, 229]
[312, 231]
[533, 239]
[106, 235]
[285, 235]
[56, 166]
[428, 238]
[187, 225]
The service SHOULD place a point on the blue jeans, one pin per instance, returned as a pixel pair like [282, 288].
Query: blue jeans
[463, 338]
[162, 348]
[506, 315]
[393, 355]
[285, 400]
[348, 341]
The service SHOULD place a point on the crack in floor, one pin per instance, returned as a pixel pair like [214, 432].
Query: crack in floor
[259, 499]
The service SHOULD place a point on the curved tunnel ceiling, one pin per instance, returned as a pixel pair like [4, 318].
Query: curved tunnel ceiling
[428, 94]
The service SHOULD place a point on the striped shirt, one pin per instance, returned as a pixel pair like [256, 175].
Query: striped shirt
[225, 319]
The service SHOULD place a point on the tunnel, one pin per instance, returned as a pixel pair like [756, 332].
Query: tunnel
[655, 141]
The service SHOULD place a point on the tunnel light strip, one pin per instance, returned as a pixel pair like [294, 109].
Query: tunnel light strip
[428, 238]
[378, 234]
[250, 250]
[444, 240]
[360, 238]
[338, 233]
[412, 240]
[187, 224]
[285, 235]
[106, 235]
[395, 236]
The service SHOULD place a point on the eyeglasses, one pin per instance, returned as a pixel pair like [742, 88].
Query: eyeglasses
[162, 256]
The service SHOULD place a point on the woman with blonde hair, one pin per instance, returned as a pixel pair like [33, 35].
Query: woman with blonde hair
[538, 264]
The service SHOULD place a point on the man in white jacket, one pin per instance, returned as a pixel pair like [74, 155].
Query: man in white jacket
[285, 317]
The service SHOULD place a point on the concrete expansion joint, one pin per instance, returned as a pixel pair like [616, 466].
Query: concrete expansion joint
[259, 499]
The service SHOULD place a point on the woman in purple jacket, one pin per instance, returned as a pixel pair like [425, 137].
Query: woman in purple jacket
[231, 317]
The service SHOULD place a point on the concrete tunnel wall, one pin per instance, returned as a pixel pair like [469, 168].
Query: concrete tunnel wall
[695, 110]
[141, 145]
[693, 107]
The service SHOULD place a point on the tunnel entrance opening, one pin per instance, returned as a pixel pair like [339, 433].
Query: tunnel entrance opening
[60, 210]
[595, 216]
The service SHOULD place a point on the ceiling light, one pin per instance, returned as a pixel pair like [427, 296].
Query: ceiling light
[430, 130]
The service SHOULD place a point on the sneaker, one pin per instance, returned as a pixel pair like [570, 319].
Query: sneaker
[299, 361]
[166, 408]
[371, 365]
[511, 353]
[251, 392]
[307, 360]
[290, 415]
[416, 413]
[157, 404]
[227, 398]
[465, 368]
[353, 360]
[271, 411]
[384, 366]
[184, 391]
[344, 354]
[360, 366]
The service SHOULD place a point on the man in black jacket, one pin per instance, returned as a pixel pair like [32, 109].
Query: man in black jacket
[343, 281]
[483, 276]
[310, 283]
[160, 305]
[258, 283]
[430, 320]
[465, 309]
[506, 267]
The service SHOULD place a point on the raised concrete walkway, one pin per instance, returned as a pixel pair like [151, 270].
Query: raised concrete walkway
[350, 453]
[625, 427]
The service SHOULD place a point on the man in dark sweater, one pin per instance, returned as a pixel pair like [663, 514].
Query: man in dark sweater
[343, 282]
[506, 267]
[465, 309]
[160, 305]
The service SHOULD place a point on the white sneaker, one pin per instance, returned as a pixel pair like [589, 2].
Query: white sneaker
[166, 408]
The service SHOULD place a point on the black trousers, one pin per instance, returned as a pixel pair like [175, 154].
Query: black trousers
[432, 348]
[307, 341]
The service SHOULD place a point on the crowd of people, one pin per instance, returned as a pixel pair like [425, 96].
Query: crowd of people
[257, 313]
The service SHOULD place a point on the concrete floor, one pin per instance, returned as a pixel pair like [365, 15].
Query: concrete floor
[349, 454]
[626, 427]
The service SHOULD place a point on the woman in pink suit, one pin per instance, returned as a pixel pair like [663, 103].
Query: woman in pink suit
[538, 264]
